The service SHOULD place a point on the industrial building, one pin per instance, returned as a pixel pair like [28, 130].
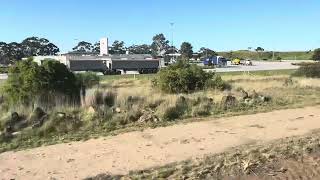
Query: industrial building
[106, 63]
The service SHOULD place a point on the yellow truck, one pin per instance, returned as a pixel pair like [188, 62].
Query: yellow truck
[236, 61]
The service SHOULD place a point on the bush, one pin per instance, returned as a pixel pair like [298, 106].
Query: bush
[176, 111]
[185, 78]
[316, 55]
[204, 108]
[28, 81]
[57, 124]
[103, 99]
[217, 83]
[311, 70]
[88, 79]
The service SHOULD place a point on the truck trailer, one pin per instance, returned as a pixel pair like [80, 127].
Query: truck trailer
[218, 61]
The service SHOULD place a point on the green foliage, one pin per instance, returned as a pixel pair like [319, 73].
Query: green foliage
[159, 44]
[316, 55]
[28, 81]
[117, 47]
[88, 79]
[103, 99]
[259, 49]
[206, 52]
[178, 110]
[83, 47]
[186, 50]
[58, 79]
[3, 70]
[140, 49]
[57, 124]
[184, 78]
[311, 70]
[24, 82]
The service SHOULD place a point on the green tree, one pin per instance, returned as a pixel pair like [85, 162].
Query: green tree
[316, 55]
[159, 45]
[206, 52]
[32, 46]
[140, 49]
[57, 78]
[83, 47]
[186, 50]
[4, 53]
[24, 82]
[16, 51]
[35, 46]
[259, 49]
[96, 47]
[117, 47]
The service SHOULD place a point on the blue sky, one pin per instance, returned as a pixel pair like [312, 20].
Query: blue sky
[216, 24]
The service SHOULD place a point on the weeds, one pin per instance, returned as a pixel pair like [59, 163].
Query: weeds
[119, 108]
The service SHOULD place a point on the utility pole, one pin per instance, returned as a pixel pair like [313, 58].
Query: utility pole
[172, 48]
[272, 55]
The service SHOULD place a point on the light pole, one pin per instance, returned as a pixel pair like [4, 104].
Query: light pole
[172, 49]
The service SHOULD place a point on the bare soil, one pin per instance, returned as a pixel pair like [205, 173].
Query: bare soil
[156, 147]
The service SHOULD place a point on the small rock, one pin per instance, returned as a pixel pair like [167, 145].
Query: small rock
[61, 114]
[228, 101]
[16, 133]
[91, 110]
[118, 110]
[15, 117]
[148, 117]
[244, 94]
[70, 160]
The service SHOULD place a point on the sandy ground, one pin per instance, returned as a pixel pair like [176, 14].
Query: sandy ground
[155, 147]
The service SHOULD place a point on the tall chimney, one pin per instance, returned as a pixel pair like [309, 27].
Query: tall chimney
[104, 47]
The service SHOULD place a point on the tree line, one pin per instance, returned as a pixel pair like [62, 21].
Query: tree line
[35, 46]
[159, 47]
[32, 46]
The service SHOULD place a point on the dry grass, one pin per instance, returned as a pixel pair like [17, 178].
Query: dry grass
[137, 96]
[274, 86]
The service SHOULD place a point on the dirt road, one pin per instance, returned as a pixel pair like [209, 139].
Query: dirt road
[155, 147]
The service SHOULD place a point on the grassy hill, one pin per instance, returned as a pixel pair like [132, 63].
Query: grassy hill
[245, 54]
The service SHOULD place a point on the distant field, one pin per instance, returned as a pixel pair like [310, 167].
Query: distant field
[298, 55]
[111, 78]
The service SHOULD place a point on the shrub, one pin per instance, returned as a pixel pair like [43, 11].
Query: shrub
[28, 81]
[311, 70]
[217, 83]
[316, 55]
[204, 108]
[88, 79]
[103, 99]
[57, 124]
[184, 78]
[109, 99]
[176, 111]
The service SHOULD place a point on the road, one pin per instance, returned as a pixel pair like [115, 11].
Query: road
[155, 147]
[259, 66]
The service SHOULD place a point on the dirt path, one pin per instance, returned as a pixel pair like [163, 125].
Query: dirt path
[154, 147]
